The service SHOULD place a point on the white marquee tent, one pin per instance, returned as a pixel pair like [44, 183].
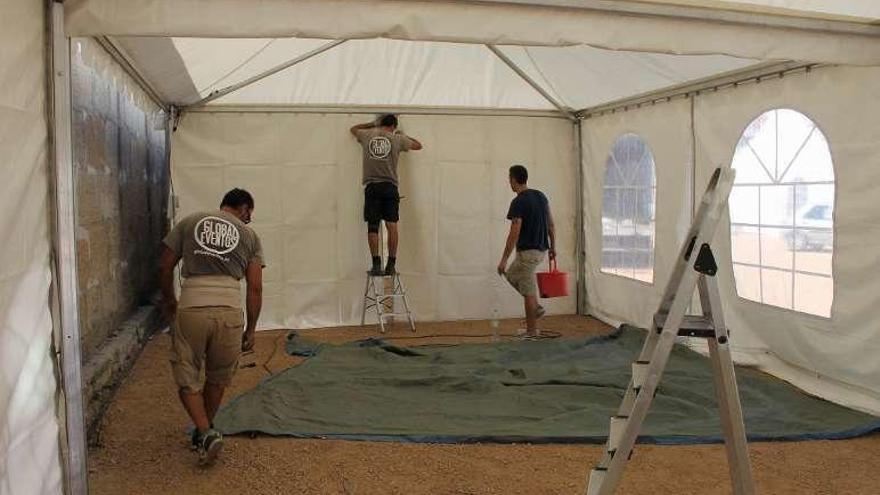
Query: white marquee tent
[264, 91]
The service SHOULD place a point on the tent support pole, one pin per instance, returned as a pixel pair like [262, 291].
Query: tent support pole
[568, 112]
[64, 256]
[581, 255]
[748, 75]
[274, 70]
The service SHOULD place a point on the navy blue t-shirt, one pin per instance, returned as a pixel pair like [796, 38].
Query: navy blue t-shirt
[532, 207]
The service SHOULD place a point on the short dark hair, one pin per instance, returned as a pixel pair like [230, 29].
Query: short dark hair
[519, 174]
[388, 120]
[236, 198]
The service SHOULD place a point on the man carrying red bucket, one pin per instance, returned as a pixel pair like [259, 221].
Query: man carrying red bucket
[532, 234]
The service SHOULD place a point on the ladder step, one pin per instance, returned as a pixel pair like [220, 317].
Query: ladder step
[597, 476]
[639, 373]
[389, 315]
[691, 326]
[618, 424]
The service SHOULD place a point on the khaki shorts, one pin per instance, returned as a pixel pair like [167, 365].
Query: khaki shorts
[205, 340]
[521, 273]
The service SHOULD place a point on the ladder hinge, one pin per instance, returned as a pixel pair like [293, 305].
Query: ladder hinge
[706, 261]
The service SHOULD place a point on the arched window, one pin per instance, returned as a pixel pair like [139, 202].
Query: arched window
[628, 210]
[781, 213]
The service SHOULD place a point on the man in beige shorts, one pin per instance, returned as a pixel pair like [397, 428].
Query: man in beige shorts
[208, 329]
[532, 234]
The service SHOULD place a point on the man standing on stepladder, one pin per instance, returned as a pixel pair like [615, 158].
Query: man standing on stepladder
[382, 143]
[532, 233]
[208, 330]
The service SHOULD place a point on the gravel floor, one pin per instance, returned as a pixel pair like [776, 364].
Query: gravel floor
[142, 447]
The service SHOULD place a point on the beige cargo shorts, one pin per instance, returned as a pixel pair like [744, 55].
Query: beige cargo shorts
[521, 273]
[205, 341]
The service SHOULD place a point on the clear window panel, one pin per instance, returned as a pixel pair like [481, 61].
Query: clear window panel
[776, 288]
[628, 209]
[813, 163]
[610, 260]
[777, 246]
[814, 294]
[748, 282]
[744, 204]
[745, 245]
[814, 206]
[813, 250]
[777, 205]
[795, 132]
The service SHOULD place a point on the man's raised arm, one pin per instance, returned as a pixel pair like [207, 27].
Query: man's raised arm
[360, 127]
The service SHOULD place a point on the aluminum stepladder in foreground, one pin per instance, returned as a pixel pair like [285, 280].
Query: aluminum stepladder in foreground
[696, 267]
[377, 296]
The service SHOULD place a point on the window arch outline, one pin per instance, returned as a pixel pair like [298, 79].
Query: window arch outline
[629, 221]
[808, 208]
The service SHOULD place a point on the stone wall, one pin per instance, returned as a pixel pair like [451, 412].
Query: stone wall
[121, 174]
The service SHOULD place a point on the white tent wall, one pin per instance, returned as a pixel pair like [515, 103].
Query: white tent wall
[305, 173]
[667, 131]
[471, 22]
[29, 447]
[835, 357]
[830, 357]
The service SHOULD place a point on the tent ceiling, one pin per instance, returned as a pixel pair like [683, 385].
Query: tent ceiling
[808, 32]
[402, 73]
[856, 11]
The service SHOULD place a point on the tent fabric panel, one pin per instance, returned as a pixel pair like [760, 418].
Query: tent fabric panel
[390, 72]
[382, 72]
[158, 61]
[305, 173]
[855, 10]
[840, 350]
[501, 24]
[584, 77]
[666, 130]
[29, 445]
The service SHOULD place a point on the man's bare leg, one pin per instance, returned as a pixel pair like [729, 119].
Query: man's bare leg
[531, 306]
[194, 403]
[373, 241]
[393, 237]
[213, 396]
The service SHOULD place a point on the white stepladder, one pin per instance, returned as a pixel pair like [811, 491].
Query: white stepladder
[696, 267]
[376, 297]
[378, 294]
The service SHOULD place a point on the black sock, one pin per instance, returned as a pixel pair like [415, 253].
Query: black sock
[377, 261]
[392, 260]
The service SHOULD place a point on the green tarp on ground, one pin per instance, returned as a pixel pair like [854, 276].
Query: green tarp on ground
[559, 390]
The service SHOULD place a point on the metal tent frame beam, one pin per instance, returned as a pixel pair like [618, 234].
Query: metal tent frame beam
[565, 110]
[74, 452]
[262, 75]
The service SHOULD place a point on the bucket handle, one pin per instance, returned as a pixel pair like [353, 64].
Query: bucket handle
[552, 263]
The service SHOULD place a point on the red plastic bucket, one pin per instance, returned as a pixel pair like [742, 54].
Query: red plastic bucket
[553, 283]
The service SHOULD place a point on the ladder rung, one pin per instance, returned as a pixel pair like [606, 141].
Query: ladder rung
[389, 315]
[691, 326]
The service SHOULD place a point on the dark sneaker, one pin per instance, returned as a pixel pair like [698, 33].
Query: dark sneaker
[376, 270]
[194, 440]
[540, 312]
[390, 270]
[211, 444]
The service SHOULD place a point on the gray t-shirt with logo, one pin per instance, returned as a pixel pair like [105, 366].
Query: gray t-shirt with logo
[381, 150]
[214, 243]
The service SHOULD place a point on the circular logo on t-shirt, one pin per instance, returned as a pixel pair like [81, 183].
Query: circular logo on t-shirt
[217, 235]
[380, 147]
